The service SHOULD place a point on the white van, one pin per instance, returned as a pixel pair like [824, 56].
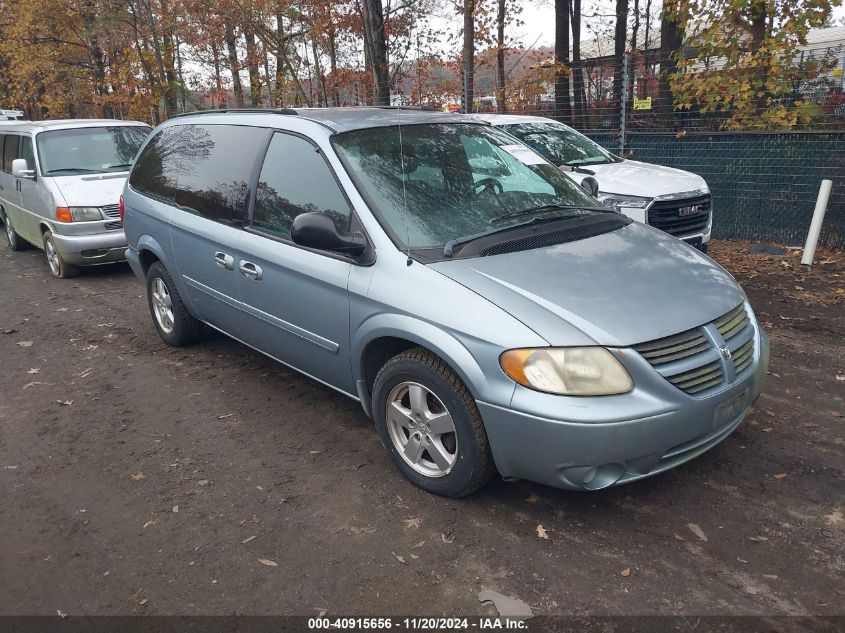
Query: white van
[60, 185]
[675, 201]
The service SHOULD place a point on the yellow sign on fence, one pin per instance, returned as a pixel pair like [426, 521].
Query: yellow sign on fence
[642, 104]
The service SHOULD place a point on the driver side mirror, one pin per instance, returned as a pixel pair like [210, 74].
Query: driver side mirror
[591, 186]
[20, 169]
[318, 230]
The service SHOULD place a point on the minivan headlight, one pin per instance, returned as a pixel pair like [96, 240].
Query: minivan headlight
[85, 214]
[619, 200]
[571, 371]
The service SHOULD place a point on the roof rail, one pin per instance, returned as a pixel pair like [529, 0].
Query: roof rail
[287, 111]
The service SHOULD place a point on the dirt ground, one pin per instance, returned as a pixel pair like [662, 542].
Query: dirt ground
[138, 478]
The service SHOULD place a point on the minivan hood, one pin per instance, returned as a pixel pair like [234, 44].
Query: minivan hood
[633, 178]
[92, 190]
[629, 286]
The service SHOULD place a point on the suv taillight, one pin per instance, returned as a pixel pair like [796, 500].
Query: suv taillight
[121, 207]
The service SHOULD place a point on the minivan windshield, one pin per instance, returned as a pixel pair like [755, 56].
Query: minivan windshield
[90, 149]
[445, 182]
[560, 144]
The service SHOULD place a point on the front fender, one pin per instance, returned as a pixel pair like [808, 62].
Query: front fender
[490, 385]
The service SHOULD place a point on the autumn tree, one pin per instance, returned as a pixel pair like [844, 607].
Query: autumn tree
[747, 63]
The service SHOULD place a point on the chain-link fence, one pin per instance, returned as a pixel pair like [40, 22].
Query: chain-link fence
[763, 136]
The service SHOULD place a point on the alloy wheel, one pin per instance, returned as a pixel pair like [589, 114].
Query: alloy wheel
[422, 429]
[52, 257]
[162, 305]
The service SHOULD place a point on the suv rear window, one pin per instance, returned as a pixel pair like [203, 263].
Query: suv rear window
[202, 169]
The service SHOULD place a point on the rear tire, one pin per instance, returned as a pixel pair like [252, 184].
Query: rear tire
[171, 318]
[416, 397]
[56, 263]
[16, 242]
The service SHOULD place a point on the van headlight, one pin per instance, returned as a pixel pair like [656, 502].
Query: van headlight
[86, 214]
[570, 371]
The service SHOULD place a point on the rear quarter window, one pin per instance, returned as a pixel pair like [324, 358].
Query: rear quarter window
[201, 169]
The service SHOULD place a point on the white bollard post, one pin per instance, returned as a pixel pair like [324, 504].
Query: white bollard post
[816, 223]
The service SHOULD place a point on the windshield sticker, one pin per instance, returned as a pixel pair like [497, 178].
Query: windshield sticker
[523, 154]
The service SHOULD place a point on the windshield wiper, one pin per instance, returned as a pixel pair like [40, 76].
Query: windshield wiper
[123, 166]
[541, 210]
[76, 170]
[595, 160]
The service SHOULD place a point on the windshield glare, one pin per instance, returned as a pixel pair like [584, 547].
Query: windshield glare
[459, 179]
[90, 149]
[560, 145]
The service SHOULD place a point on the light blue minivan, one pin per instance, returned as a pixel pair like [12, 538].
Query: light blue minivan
[488, 313]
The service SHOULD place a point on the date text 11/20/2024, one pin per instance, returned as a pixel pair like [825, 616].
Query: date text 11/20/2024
[418, 624]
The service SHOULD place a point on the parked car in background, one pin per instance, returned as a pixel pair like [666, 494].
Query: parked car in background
[672, 200]
[60, 182]
[486, 311]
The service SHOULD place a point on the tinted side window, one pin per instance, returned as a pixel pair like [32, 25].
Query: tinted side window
[203, 169]
[26, 152]
[10, 151]
[295, 179]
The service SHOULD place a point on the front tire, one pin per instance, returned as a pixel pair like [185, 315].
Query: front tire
[430, 425]
[58, 266]
[16, 242]
[171, 318]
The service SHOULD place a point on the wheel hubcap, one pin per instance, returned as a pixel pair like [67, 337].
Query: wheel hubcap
[52, 257]
[422, 429]
[162, 305]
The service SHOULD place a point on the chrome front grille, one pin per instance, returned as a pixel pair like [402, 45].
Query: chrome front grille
[694, 364]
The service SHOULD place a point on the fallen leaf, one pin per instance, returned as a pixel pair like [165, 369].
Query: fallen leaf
[34, 370]
[61, 310]
[267, 562]
[834, 518]
[202, 482]
[152, 521]
[89, 348]
[625, 572]
[767, 430]
[25, 343]
[8, 331]
[248, 539]
[145, 600]
[138, 476]
[33, 384]
[696, 529]
[399, 558]
[419, 545]
[542, 532]
[780, 476]
[65, 403]
[413, 522]
[222, 417]
[447, 539]
[838, 377]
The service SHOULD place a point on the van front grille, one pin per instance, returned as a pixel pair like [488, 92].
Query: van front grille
[111, 211]
[693, 364]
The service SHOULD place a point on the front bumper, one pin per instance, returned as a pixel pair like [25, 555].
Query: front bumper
[93, 248]
[583, 453]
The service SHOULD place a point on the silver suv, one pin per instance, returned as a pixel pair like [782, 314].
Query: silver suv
[60, 182]
[486, 311]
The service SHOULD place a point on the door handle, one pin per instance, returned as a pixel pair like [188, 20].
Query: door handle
[224, 260]
[251, 271]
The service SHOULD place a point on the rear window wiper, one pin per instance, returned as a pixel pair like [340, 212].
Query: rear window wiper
[542, 210]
